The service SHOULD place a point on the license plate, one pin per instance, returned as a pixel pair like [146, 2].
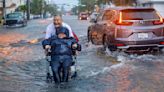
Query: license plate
[143, 35]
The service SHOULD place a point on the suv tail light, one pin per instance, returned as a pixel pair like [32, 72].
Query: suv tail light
[125, 23]
[158, 22]
[120, 22]
[119, 44]
[162, 43]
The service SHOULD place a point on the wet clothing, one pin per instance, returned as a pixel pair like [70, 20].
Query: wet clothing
[62, 64]
[51, 30]
[61, 56]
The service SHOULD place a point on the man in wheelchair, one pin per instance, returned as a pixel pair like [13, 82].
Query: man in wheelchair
[62, 48]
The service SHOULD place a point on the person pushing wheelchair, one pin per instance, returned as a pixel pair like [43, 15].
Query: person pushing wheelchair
[62, 49]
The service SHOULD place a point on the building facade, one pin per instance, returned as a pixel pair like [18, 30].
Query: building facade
[11, 5]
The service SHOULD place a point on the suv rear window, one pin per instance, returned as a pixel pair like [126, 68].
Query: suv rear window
[108, 15]
[139, 14]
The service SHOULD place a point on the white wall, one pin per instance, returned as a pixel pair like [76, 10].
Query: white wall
[17, 2]
[157, 4]
[160, 8]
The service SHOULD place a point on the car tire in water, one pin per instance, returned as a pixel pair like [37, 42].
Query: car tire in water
[24, 24]
[107, 45]
[90, 37]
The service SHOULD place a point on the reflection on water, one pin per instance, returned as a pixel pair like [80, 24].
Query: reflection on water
[25, 71]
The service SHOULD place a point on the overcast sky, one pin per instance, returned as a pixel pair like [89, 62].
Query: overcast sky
[69, 2]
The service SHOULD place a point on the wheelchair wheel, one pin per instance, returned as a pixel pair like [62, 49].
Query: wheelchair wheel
[49, 78]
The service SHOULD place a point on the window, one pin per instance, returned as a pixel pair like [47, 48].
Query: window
[109, 15]
[139, 14]
[99, 18]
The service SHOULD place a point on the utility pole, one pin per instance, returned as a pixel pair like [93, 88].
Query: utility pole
[28, 9]
[62, 9]
[79, 6]
[4, 9]
[42, 9]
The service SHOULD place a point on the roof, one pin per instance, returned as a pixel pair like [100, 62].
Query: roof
[123, 8]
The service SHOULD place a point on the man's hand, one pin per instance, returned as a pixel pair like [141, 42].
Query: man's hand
[47, 47]
[74, 46]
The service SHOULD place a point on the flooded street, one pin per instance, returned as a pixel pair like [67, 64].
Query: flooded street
[23, 65]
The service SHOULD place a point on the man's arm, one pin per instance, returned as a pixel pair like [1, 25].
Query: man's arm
[71, 33]
[46, 43]
[49, 31]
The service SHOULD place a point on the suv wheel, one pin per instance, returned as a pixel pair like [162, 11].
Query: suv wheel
[112, 48]
[90, 37]
[24, 24]
[105, 45]
[108, 46]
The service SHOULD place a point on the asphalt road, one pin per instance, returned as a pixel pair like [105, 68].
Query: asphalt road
[23, 67]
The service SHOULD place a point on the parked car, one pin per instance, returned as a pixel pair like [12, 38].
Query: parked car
[15, 19]
[37, 16]
[83, 16]
[128, 29]
[93, 16]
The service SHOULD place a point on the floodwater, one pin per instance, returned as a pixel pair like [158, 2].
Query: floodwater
[23, 69]
[23, 65]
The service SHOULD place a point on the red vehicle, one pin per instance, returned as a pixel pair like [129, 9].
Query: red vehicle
[83, 16]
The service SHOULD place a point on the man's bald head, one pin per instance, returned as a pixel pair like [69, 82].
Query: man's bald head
[57, 20]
